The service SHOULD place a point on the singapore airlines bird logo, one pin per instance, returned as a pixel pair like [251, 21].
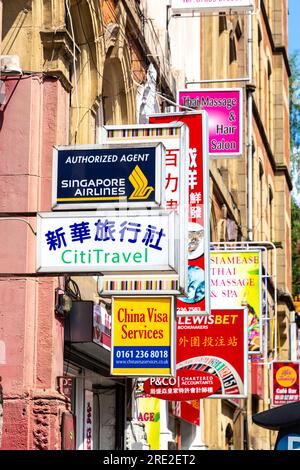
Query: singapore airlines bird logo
[140, 184]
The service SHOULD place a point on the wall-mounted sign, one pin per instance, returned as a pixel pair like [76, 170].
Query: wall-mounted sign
[107, 242]
[175, 138]
[187, 385]
[185, 6]
[143, 336]
[216, 344]
[197, 299]
[108, 176]
[225, 117]
[286, 382]
[235, 281]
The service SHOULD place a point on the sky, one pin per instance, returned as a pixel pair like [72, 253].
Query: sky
[294, 20]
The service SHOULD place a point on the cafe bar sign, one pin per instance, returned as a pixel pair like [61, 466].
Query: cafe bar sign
[107, 242]
[186, 6]
[108, 177]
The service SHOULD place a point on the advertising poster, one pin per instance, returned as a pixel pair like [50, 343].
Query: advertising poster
[93, 176]
[197, 299]
[148, 412]
[286, 388]
[235, 281]
[107, 242]
[216, 344]
[225, 117]
[143, 336]
[185, 6]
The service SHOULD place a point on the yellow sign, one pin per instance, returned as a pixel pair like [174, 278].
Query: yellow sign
[286, 376]
[235, 281]
[140, 184]
[143, 336]
[149, 415]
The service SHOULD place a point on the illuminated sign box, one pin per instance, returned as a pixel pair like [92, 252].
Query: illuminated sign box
[186, 6]
[175, 138]
[144, 241]
[216, 344]
[143, 332]
[285, 382]
[235, 281]
[92, 176]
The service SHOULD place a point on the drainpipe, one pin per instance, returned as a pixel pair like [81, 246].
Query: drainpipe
[250, 90]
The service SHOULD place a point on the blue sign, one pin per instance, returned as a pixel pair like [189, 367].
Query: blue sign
[288, 442]
[108, 176]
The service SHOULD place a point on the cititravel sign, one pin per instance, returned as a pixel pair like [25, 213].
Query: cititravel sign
[107, 242]
[143, 331]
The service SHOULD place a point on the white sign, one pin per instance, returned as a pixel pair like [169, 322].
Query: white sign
[108, 242]
[181, 6]
[88, 420]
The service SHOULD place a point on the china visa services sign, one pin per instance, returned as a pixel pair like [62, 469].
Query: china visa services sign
[143, 332]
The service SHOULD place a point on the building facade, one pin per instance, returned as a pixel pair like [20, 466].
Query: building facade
[83, 64]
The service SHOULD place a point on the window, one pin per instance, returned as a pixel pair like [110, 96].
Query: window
[222, 23]
[232, 48]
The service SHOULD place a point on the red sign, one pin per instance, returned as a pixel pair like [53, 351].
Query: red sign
[216, 344]
[187, 410]
[187, 385]
[257, 380]
[286, 388]
[197, 299]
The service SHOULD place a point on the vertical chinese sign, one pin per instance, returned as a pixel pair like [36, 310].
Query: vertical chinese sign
[197, 299]
[285, 379]
[225, 118]
[236, 280]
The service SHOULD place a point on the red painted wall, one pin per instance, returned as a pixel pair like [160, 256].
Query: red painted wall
[34, 117]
